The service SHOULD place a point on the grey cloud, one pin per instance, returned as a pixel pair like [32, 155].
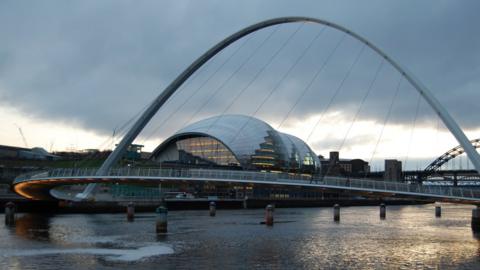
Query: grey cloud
[98, 63]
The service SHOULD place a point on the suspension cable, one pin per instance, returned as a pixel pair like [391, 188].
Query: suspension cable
[412, 131]
[226, 81]
[208, 79]
[310, 83]
[387, 118]
[292, 67]
[336, 91]
[367, 93]
[284, 76]
[258, 73]
[370, 87]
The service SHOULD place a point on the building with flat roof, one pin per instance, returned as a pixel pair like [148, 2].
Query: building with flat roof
[334, 165]
[393, 170]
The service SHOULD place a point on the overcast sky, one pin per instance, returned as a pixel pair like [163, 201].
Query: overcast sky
[71, 72]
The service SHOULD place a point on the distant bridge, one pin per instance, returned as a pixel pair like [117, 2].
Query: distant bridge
[433, 171]
[39, 185]
[447, 156]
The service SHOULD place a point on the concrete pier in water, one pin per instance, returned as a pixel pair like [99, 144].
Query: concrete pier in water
[212, 209]
[130, 211]
[245, 203]
[161, 222]
[336, 212]
[269, 215]
[438, 211]
[383, 211]
[10, 209]
[476, 219]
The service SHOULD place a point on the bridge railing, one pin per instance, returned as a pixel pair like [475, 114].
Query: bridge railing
[396, 187]
[234, 175]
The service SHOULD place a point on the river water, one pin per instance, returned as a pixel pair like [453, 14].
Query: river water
[303, 238]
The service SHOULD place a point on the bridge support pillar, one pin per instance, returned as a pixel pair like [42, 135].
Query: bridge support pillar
[10, 209]
[245, 203]
[438, 211]
[161, 223]
[212, 209]
[383, 211]
[130, 211]
[336, 213]
[269, 215]
[476, 219]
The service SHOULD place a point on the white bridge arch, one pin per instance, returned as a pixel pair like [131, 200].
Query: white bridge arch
[174, 85]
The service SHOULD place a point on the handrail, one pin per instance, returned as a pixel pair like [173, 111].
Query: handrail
[282, 178]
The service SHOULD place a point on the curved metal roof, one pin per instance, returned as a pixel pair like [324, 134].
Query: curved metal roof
[244, 136]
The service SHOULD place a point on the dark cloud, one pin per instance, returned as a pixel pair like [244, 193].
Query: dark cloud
[98, 63]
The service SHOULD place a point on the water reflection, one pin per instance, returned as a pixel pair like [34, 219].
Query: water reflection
[33, 226]
[410, 237]
[162, 237]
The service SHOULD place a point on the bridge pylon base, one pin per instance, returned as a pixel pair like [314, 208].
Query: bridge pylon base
[438, 211]
[383, 211]
[476, 219]
[336, 213]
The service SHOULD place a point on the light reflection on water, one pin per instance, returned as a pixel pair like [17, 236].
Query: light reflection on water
[410, 238]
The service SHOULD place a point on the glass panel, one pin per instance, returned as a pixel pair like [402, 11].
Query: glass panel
[205, 150]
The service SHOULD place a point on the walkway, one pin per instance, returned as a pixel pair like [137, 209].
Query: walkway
[33, 184]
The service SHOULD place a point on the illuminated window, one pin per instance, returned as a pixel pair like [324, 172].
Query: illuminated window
[308, 160]
[208, 149]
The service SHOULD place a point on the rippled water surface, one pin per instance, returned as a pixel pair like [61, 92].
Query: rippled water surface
[304, 238]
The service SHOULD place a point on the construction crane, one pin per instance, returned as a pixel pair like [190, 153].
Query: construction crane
[23, 136]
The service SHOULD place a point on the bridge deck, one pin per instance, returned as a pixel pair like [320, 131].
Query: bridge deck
[25, 185]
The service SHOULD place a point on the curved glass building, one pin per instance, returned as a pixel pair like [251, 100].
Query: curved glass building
[237, 141]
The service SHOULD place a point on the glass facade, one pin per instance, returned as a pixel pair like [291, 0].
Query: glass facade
[198, 149]
[237, 140]
[268, 155]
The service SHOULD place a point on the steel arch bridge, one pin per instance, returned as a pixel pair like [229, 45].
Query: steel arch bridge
[175, 84]
[165, 95]
[447, 156]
